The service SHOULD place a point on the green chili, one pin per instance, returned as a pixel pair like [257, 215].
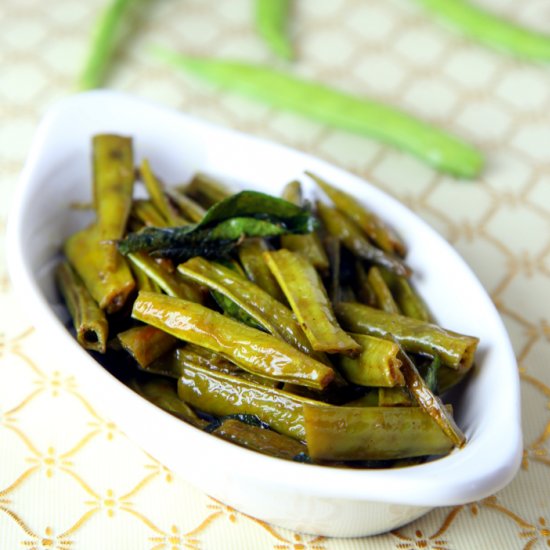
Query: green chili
[356, 114]
[103, 43]
[490, 29]
[272, 21]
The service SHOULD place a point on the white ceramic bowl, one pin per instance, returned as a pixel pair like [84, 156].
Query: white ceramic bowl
[313, 499]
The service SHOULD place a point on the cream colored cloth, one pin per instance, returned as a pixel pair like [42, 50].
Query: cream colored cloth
[70, 479]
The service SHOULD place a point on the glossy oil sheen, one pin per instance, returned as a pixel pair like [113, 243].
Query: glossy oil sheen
[314, 499]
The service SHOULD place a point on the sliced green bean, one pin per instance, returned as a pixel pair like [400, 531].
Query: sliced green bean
[429, 402]
[383, 294]
[351, 236]
[308, 299]
[253, 350]
[90, 323]
[104, 39]
[250, 253]
[189, 355]
[488, 28]
[93, 262]
[189, 208]
[169, 282]
[113, 177]
[206, 191]
[308, 245]
[395, 397]
[356, 114]
[376, 230]
[272, 17]
[158, 197]
[147, 213]
[146, 344]
[377, 365]
[455, 350]
[365, 292]
[269, 313]
[163, 393]
[260, 439]
[409, 301]
[371, 433]
[143, 281]
[223, 394]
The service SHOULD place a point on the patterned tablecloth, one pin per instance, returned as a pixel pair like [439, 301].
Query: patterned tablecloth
[68, 477]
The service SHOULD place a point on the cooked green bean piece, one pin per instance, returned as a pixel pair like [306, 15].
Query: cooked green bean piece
[356, 114]
[272, 18]
[490, 29]
[308, 245]
[253, 350]
[147, 213]
[371, 433]
[146, 344]
[409, 302]
[113, 176]
[395, 397]
[92, 261]
[163, 393]
[455, 350]
[102, 44]
[308, 299]
[377, 364]
[351, 236]
[143, 281]
[191, 354]
[223, 394]
[362, 286]
[334, 255]
[273, 316]
[169, 282]
[373, 226]
[250, 253]
[172, 364]
[383, 294]
[90, 323]
[206, 190]
[292, 192]
[369, 399]
[429, 402]
[431, 375]
[260, 439]
[158, 197]
[189, 209]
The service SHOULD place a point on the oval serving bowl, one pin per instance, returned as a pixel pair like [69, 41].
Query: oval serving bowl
[313, 499]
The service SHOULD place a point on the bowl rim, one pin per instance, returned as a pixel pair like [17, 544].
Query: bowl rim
[461, 477]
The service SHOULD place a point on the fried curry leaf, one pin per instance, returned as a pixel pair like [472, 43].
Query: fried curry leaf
[245, 214]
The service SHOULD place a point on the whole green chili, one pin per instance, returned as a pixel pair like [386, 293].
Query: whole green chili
[363, 116]
[490, 29]
[272, 21]
[104, 39]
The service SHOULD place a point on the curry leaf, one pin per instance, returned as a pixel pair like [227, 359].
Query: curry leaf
[245, 214]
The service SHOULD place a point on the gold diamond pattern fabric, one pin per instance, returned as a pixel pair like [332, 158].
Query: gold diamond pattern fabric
[69, 479]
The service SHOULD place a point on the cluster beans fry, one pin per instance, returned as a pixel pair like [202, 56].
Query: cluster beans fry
[287, 327]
